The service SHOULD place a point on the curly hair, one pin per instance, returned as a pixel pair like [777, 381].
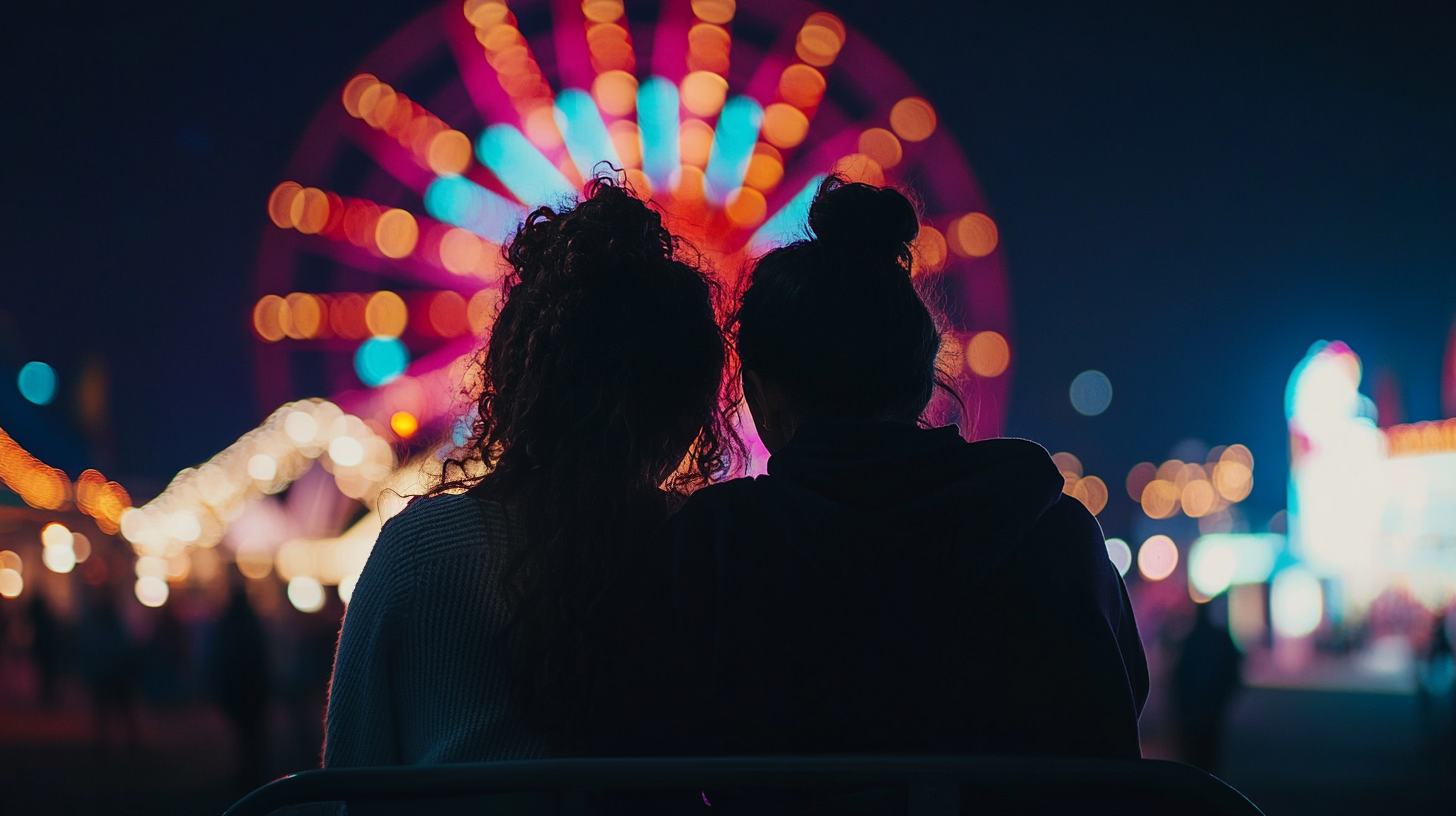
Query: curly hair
[599, 407]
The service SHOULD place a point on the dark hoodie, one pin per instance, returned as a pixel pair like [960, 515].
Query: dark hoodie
[887, 588]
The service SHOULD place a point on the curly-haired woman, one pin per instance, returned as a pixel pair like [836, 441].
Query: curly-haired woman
[485, 624]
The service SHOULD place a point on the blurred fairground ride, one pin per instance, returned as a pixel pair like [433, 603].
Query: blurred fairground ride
[380, 274]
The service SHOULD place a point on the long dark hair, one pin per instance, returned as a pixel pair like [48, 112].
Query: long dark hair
[599, 401]
[835, 321]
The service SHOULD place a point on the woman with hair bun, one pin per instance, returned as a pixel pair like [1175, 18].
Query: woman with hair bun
[888, 586]
[487, 623]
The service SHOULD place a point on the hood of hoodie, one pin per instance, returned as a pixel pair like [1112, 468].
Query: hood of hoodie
[863, 497]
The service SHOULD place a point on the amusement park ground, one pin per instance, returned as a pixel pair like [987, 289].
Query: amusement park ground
[1292, 752]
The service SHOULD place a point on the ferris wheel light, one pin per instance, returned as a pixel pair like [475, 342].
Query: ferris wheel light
[913, 119]
[615, 92]
[380, 361]
[530, 176]
[732, 147]
[786, 225]
[459, 201]
[657, 114]
[882, 146]
[585, 134]
[704, 93]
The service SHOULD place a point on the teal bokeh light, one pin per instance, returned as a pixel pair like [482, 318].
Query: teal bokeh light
[380, 360]
[37, 382]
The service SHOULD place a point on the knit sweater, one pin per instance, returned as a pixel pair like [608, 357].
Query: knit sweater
[423, 671]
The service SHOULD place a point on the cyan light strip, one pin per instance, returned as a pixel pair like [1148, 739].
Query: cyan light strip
[732, 147]
[460, 201]
[789, 224]
[530, 176]
[657, 107]
[581, 125]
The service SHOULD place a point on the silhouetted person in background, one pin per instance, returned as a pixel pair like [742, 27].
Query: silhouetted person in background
[45, 648]
[238, 679]
[1205, 680]
[108, 661]
[167, 657]
[888, 586]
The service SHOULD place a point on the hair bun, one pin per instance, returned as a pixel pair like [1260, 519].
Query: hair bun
[850, 217]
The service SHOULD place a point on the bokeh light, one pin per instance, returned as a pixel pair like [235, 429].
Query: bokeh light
[306, 594]
[1091, 393]
[380, 360]
[152, 591]
[988, 354]
[973, 235]
[1138, 478]
[1120, 554]
[1160, 499]
[703, 92]
[37, 382]
[386, 314]
[820, 39]
[396, 233]
[1296, 602]
[1198, 498]
[1092, 492]
[11, 584]
[784, 126]
[1211, 567]
[1157, 558]
[56, 534]
[882, 146]
[801, 86]
[59, 559]
[913, 119]
[404, 424]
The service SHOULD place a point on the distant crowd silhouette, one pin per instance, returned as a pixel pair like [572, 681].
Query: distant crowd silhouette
[585, 581]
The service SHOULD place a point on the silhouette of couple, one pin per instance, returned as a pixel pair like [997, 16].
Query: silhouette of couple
[584, 582]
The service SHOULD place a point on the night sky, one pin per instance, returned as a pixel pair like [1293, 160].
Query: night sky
[1189, 194]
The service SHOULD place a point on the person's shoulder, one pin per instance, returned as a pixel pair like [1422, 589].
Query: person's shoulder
[708, 499]
[434, 525]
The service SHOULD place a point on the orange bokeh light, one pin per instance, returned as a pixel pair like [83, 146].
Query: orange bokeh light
[973, 235]
[449, 153]
[765, 168]
[988, 354]
[346, 316]
[704, 92]
[481, 310]
[269, 317]
[309, 211]
[784, 125]
[611, 48]
[639, 183]
[385, 315]
[913, 119]
[714, 11]
[627, 139]
[708, 47]
[801, 85]
[820, 39]
[486, 13]
[1091, 492]
[861, 168]
[396, 233]
[746, 207]
[305, 316]
[929, 247]
[461, 251]
[602, 11]
[615, 92]
[882, 146]
[695, 142]
[1198, 498]
[447, 314]
[404, 424]
[280, 203]
[1160, 499]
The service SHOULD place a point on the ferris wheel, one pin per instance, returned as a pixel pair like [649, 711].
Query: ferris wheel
[381, 273]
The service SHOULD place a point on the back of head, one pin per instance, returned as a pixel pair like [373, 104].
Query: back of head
[834, 321]
[603, 369]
